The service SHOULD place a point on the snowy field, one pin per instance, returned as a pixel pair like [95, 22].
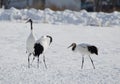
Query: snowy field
[64, 66]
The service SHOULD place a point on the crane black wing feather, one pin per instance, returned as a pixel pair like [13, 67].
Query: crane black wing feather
[38, 49]
[93, 49]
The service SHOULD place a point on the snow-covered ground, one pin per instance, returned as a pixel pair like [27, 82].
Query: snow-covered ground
[64, 66]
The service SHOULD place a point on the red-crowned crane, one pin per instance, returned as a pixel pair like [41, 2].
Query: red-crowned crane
[30, 43]
[84, 49]
[40, 47]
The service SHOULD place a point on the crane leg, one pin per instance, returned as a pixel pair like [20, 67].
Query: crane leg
[92, 62]
[33, 60]
[82, 62]
[38, 62]
[44, 61]
[29, 60]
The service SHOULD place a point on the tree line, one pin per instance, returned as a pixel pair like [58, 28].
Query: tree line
[108, 5]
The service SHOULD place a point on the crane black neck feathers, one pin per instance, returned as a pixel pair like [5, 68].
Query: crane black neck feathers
[50, 39]
[30, 20]
[31, 26]
[74, 46]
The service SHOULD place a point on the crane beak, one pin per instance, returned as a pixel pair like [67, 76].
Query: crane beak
[70, 46]
[27, 21]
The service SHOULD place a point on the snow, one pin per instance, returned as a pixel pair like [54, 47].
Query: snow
[62, 17]
[64, 66]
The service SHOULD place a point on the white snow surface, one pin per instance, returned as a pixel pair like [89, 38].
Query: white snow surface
[64, 66]
[62, 17]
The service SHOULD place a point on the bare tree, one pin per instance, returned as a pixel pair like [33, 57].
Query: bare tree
[27, 2]
[1, 3]
[6, 3]
[100, 5]
[113, 4]
[95, 5]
